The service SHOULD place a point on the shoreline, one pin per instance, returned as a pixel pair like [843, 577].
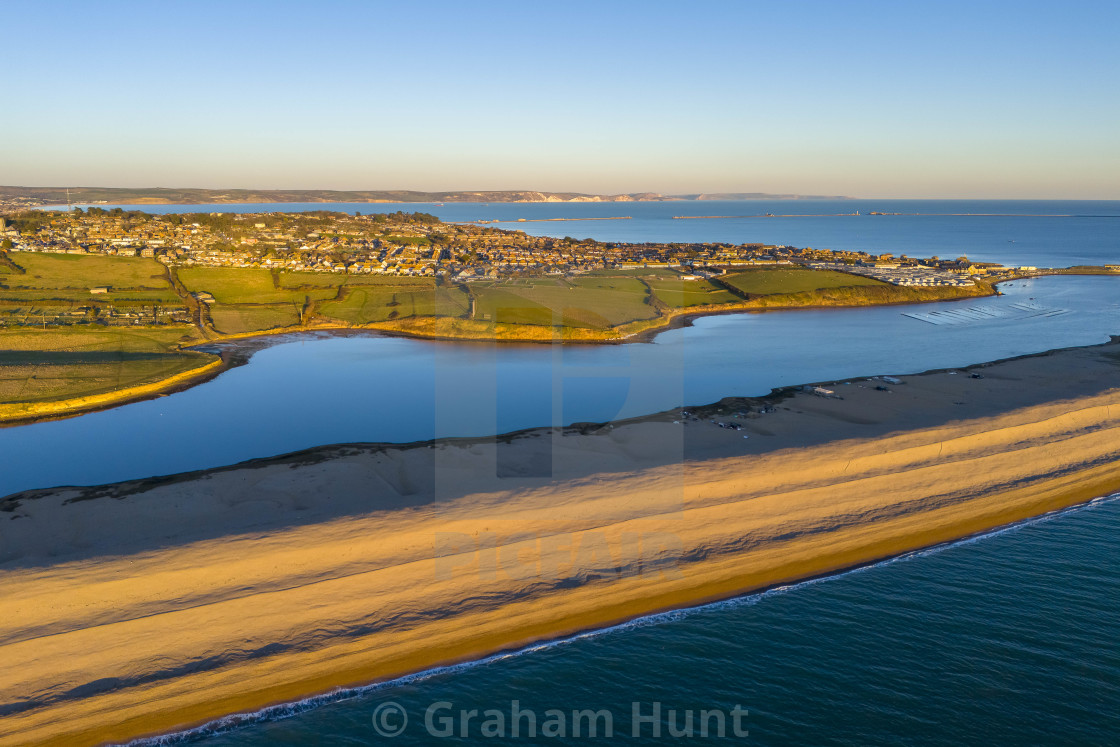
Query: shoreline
[15, 414]
[821, 485]
[283, 709]
[323, 452]
[232, 722]
[644, 331]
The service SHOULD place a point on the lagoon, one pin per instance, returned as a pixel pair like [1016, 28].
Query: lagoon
[306, 390]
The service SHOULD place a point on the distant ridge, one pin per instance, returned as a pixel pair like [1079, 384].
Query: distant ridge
[755, 196]
[33, 196]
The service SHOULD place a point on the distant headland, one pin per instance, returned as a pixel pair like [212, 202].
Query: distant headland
[38, 196]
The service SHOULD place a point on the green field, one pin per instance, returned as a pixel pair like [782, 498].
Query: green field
[681, 293]
[55, 288]
[595, 302]
[636, 272]
[66, 279]
[55, 296]
[63, 362]
[235, 319]
[311, 279]
[414, 240]
[379, 302]
[248, 285]
[766, 282]
[334, 280]
[85, 271]
[249, 300]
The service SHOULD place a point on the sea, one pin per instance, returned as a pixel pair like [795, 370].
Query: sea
[1007, 638]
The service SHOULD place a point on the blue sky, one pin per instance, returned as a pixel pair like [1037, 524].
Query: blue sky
[899, 99]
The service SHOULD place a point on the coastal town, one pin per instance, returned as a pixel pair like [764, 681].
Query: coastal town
[237, 273]
[420, 245]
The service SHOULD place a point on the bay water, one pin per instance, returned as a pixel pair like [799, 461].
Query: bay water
[1008, 638]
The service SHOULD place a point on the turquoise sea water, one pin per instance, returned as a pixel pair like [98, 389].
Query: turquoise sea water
[1006, 639]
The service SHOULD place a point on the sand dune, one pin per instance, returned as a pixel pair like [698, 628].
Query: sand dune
[151, 605]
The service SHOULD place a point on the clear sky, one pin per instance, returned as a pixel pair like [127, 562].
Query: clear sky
[890, 99]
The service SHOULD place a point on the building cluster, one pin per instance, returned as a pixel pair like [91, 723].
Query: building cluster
[400, 244]
[111, 315]
[12, 202]
[416, 244]
[911, 275]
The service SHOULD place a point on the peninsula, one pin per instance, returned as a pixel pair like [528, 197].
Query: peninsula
[155, 605]
[100, 307]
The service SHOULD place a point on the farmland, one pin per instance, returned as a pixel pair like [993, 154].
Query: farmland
[84, 325]
[239, 319]
[377, 302]
[678, 293]
[81, 272]
[252, 299]
[61, 363]
[766, 282]
[597, 302]
[97, 300]
[59, 289]
[235, 285]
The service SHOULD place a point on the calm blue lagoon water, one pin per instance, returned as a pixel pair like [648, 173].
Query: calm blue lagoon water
[314, 390]
[1008, 639]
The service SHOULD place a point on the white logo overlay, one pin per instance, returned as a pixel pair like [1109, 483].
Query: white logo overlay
[443, 720]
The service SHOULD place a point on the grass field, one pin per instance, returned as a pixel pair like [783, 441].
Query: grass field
[249, 300]
[238, 285]
[311, 279]
[55, 288]
[867, 295]
[334, 280]
[595, 302]
[235, 319]
[295, 280]
[678, 293]
[636, 272]
[55, 296]
[378, 302]
[84, 271]
[40, 365]
[765, 282]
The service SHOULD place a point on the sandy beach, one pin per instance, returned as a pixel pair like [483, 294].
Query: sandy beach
[150, 606]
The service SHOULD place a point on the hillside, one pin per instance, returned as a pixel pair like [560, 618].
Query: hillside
[35, 196]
